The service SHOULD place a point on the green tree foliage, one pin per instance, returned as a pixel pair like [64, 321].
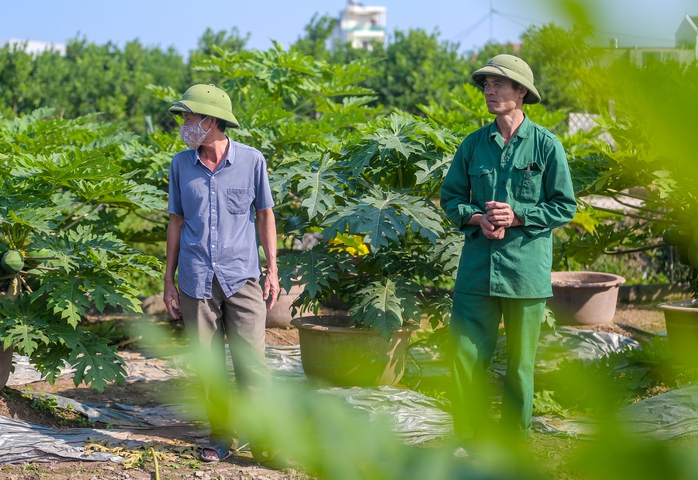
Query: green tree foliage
[318, 33]
[416, 67]
[479, 57]
[412, 68]
[560, 60]
[105, 79]
[20, 74]
[209, 42]
[288, 102]
[232, 41]
[90, 79]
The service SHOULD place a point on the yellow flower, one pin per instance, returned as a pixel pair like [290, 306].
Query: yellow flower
[352, 244]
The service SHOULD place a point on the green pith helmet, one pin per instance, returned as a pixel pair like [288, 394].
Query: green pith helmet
[206, 100]
[512, 67]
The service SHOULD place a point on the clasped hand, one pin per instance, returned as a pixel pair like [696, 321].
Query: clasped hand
[498, 218]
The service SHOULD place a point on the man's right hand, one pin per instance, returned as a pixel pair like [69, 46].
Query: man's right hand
[171, 299]
[490, 231]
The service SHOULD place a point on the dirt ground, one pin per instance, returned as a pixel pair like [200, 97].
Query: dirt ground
[178, 443]
[183, 440]
[641, 316]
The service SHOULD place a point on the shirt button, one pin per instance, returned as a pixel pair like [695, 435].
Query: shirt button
[503, 182]
[213, 228]
[495, 247]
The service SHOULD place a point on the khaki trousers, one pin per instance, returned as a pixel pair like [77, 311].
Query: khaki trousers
[241, 319]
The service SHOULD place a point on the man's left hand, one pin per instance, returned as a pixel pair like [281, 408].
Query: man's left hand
[271, 288]
[500, 214]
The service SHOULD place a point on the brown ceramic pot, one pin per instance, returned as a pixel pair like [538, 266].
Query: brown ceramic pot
[584, 298]
[681, 319]
[335, 353]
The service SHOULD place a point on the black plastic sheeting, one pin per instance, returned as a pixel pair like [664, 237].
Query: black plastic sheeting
[416, 418]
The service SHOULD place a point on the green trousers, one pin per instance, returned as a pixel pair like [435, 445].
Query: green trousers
[474, 327]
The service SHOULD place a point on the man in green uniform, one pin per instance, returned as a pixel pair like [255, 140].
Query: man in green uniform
[509, 185]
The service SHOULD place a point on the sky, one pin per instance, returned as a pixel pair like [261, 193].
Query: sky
[179, 23]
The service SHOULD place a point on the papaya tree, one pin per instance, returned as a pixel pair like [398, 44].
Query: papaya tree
[380, 188]
[63, 191]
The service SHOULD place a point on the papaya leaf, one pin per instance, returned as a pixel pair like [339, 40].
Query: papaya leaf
[378, 216]
[447, 252]
[383, 305]
[96, 363]
[433, 170]
[317, 187]
[425, 220]
[315, 268]
[67, 299]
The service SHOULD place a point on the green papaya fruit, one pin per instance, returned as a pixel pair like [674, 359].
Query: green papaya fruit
[677, 235]
[3, 248]
[12, 261]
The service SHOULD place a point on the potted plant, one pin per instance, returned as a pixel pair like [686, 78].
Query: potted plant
[63, 194]
[379, 188]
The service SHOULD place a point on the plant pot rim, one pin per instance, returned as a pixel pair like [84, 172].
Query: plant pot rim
[308, 324]
[680, 305]
[600, 279]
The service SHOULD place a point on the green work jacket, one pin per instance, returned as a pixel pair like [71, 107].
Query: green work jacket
[531, 174]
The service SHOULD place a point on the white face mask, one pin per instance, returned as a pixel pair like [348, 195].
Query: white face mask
[193, 135]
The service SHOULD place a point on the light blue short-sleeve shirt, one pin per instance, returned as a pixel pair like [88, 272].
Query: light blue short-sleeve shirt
[219, 236]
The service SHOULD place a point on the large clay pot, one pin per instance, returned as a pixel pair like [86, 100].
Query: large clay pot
[5, 365]
[335, 353]
[681, 319]
[584, 298]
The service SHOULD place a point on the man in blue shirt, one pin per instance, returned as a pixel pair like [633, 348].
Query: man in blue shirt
[219, 202]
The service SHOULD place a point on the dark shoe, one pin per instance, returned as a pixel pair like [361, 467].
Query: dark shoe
[217, 452]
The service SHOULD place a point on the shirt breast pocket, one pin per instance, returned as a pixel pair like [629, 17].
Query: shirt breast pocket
[481, 187]
[240, 200]
[528, 182]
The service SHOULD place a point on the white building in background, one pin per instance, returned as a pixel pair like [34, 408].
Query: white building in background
[360, 25]
[36, 46]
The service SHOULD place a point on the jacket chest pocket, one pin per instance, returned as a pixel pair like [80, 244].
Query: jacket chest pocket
[481, 182]
[528, 181]
[240, 200]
